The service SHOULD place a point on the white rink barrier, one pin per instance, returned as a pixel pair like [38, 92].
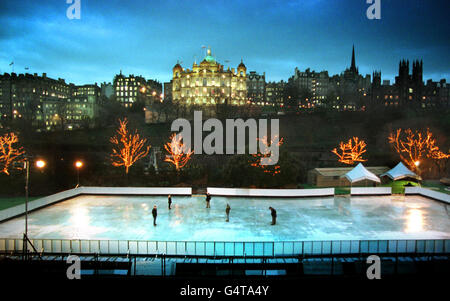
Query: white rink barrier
[247, 192]
[371, 190]
[439, 196]
[61, 196]
[137, 190]
[32, 205]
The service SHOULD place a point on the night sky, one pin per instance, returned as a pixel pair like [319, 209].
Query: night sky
[148, 37]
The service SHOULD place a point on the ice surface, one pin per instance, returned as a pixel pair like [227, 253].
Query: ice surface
[331, 218]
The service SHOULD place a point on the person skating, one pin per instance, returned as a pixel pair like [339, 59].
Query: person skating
[170, 201]
[273, 212]
[155, 214]
[208, 200]
[227, 211]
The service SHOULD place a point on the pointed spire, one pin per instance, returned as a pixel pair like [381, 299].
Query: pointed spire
[353, 66]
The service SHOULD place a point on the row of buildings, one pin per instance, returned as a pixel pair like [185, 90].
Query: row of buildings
[45, 102]
[49, 104]
[209, 83]
[52, 103]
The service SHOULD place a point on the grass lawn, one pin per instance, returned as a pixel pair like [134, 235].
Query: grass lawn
[341, 190]
[398, 186]
[13, 201]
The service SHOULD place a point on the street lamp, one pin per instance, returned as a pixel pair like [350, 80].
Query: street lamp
[78, 165]
[39, 164]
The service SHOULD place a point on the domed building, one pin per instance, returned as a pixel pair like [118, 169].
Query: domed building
[209, 84]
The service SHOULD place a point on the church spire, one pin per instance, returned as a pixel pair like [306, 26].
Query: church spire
[353, 66]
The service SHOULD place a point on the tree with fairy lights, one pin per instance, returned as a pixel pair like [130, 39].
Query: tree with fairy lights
[416, 147]
[178, 153]
[127, 147]
[351, 152]
[9, 152]
[273, 169]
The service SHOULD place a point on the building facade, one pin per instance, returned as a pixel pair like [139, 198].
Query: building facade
[129, 90]
[350, 88]
[275, 93]
[312, 87]
[409, 89]
[346, 91]
[107, 90]
[256, 88]
[47, 103]
[209, 84]
[168, 91]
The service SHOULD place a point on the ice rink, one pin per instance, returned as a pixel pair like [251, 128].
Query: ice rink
[331, 218]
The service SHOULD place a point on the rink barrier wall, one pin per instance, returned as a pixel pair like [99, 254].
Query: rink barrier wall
[222, 248]
[371, 190]
[248, 192]
[64, 195]
[435, 195]
[137, 190]
[39, 203]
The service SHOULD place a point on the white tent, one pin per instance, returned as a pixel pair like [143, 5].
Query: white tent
[360, 173]
[399, 172]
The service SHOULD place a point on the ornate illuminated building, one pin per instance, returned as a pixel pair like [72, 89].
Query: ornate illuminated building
[209, 84]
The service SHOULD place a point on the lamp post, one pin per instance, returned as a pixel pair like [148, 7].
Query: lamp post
[39, 164]
[78, 165]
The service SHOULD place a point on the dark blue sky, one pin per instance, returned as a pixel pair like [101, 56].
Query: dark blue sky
[148, 37]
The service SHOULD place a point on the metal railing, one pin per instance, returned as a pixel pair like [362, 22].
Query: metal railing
[222, 248]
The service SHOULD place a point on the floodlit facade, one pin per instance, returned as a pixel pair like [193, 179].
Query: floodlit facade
[256, 88]
[275, 93]
[48, 103]
[131, 89]
[208, 83]
[80, 110]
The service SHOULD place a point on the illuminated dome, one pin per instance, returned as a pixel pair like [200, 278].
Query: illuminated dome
[177, 70]
[177, 66]
[209, 58]
[241, 65]
[242, 69]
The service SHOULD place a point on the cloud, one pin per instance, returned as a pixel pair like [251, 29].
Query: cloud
[148, 37]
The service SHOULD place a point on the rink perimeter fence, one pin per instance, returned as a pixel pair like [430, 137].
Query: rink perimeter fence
[227, 192]
[221, 248]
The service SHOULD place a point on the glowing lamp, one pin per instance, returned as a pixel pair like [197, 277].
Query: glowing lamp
[40, 163]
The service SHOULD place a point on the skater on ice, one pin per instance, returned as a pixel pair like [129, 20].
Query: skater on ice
[170, 201]
[155, 214]
[227, 211]
[273, 212]
[208, 200]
